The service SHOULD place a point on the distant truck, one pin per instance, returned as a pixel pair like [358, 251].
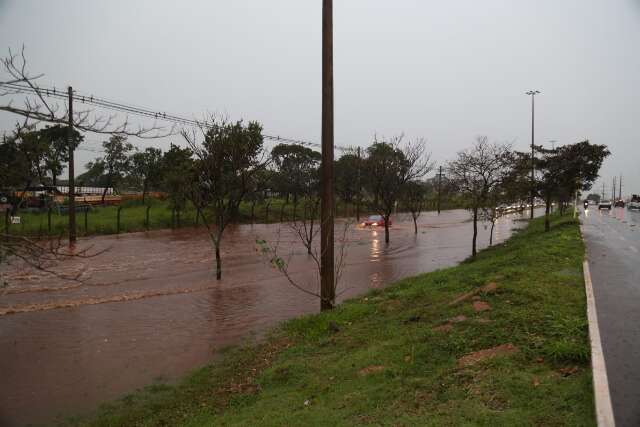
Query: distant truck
[634, 203]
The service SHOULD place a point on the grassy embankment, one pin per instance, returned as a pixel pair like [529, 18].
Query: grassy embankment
[103, 220]
[394, 358]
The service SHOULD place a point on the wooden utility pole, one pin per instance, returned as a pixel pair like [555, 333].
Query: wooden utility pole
[72, 188]
[359, 186]
[439, 188]
[327, 284]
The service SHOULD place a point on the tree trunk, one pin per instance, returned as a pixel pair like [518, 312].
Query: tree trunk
[475, 232]
[415, 223]
[386, 229]
[104, 192]
[493, 224]
[253, 211]
[218, 262]
[310, 242]
[547, 208]
[144, 191]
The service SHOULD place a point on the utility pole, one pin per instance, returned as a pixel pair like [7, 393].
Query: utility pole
[620, 188]
[359, 188]
[613, 191]
[533, 94]
[439, 188]
[327, 284]
[72, 187]
[603, 190]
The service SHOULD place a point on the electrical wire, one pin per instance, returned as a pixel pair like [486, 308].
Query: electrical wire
[144, 112]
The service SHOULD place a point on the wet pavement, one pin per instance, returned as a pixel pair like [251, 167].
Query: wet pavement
[613, 244]
[150, 310]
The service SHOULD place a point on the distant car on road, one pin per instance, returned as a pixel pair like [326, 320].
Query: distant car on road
[375, 220]
[604, 204]
[634, 203]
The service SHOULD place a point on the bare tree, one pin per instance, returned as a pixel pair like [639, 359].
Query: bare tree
[40, 104]
[388, 167]
[491, 212]
[273, 254]
[414, 198]
[476, 173]
[227, 161]
[42, 256]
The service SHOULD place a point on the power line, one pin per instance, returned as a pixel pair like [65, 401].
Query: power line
[145, 112]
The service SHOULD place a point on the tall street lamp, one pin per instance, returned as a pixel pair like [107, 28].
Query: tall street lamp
[533, 94]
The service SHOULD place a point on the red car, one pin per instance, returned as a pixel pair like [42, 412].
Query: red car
[375, 220]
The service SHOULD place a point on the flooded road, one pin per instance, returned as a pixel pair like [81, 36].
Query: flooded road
[151, 309]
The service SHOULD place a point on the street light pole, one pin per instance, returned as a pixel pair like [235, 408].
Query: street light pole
[533, 94]
[327, 284]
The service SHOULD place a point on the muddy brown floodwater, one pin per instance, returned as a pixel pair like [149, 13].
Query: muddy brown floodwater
[151, 309]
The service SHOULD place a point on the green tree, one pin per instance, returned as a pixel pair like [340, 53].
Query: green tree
[116, 161]
[147, 168]
[567, 170]
[57, 153]
[178, 175]
[347, 170]
[296, 166]
[227, 160]
[388, 167]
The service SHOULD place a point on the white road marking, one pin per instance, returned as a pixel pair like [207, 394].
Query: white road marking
[634, 249]
[604, 410]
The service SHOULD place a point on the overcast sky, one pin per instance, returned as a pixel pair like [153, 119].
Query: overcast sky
[445, 71]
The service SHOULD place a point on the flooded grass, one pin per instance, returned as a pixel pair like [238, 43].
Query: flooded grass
[386, 359]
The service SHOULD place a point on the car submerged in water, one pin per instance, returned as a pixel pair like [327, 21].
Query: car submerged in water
[605, 204]
[374, 221]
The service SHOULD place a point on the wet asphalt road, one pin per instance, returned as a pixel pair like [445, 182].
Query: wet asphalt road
[613, 251]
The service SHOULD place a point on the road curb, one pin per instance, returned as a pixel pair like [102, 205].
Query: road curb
[604, 410]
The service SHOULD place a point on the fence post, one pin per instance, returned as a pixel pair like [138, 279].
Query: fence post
[86, 221]
[49, 220]
[146, 218]
[282, 211]
[118, 223]
[266, 212]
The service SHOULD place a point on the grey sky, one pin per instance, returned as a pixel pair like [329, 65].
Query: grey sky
[446, 71]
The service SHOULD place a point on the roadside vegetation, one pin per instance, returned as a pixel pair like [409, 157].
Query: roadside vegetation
[502, 340]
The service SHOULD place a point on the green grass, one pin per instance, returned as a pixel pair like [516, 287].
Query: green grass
[103, 219]
[539, 307]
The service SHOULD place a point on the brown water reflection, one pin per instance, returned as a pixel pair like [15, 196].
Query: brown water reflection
[152, 309]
